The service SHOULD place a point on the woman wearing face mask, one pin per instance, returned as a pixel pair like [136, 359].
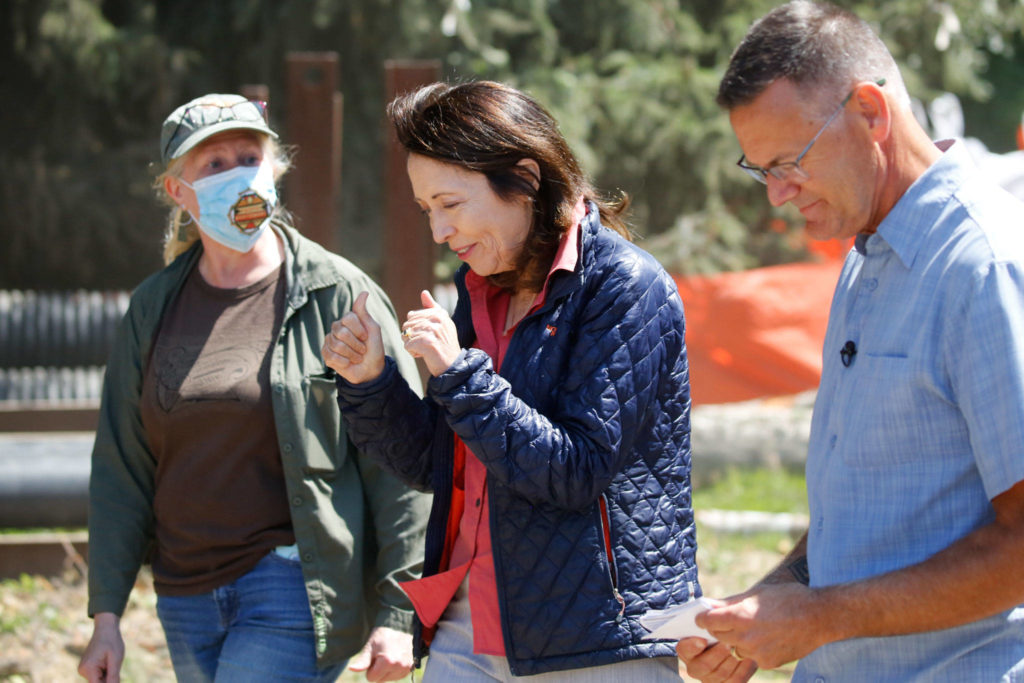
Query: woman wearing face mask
[555, 433]
[276, 546]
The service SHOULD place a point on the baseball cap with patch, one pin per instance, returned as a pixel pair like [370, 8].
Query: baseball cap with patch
[205, 116]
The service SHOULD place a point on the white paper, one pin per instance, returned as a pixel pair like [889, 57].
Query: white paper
[677, 622]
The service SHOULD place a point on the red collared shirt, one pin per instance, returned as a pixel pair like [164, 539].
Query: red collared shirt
[471, 552]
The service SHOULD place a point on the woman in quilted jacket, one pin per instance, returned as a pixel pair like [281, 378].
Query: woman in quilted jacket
[555, 431]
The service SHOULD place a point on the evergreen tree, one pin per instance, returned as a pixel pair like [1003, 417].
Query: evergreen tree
[632, 82]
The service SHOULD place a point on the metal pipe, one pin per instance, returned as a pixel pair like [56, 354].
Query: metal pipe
[44, 480]
[65, 329]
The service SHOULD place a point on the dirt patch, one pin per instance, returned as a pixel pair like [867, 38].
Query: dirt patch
[44, 630]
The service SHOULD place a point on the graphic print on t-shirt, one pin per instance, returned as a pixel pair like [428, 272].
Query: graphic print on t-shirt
[185, 374]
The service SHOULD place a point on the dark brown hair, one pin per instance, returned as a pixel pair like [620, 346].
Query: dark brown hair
[489, 128]
[817, 46]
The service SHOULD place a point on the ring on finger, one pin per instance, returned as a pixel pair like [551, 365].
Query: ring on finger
[405, 334]
[735, 654]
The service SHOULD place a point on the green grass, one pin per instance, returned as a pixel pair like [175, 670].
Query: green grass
[26, 585]
[24, 531]
[13, 624]
[730, 563]
[734, 561]
[762, 489]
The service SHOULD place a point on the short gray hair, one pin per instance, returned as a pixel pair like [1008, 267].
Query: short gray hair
[812, 45]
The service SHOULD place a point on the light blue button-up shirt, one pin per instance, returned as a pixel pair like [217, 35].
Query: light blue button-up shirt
[925, 425]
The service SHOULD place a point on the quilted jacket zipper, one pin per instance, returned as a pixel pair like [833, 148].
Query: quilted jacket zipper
[613, 574]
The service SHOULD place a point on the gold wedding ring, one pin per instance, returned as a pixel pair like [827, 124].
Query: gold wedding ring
[735, 654]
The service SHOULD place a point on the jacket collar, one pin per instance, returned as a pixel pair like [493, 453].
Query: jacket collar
[589, 225]
[307, 266]
[562, 282]
[907, 225]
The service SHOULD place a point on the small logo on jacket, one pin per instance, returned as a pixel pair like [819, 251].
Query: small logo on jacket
[550, 329]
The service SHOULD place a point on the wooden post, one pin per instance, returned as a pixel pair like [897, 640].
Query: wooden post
[313, 187]
[408, 250]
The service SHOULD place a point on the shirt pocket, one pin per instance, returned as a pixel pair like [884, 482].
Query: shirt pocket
[326, 445]
[878, 420]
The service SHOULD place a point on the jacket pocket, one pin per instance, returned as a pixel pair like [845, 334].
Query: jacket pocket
[606, 538]
[325, 442]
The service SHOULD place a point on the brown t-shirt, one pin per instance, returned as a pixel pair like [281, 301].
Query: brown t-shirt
[220, 502]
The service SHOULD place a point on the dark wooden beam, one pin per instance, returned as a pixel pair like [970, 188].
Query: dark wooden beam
[313, 187]
[408, 251]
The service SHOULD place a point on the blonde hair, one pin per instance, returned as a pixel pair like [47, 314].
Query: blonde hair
[181, 232]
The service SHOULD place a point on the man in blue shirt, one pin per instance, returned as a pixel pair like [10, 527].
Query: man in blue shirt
[913, 566]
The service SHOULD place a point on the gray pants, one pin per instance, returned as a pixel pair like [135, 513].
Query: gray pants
[452, 659]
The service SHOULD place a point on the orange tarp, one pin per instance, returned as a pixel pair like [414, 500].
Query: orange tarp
[758, 332]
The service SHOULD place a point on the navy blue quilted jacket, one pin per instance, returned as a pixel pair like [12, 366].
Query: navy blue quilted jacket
[588, 424]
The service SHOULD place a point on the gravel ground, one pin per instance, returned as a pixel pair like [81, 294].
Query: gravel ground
[44, 630]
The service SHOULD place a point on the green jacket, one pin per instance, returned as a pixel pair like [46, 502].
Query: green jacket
[359, 530]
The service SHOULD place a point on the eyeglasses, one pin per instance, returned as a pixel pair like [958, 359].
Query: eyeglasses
[206, 114]
[791, 171]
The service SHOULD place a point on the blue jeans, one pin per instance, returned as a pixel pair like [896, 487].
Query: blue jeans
[256, 628]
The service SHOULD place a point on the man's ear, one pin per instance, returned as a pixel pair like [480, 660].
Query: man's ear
[871, 103]
[532, 169]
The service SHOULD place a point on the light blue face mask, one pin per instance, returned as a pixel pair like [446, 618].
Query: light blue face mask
[235, 206]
